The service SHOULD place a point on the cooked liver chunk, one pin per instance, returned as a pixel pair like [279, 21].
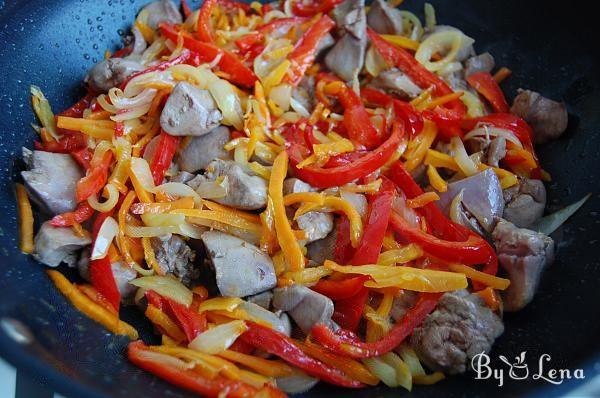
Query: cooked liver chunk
[460, 327]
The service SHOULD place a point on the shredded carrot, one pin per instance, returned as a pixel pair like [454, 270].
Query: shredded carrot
[25, 220]
[285, 235]
[164, 207]
[402, 41]
[150, 256]
[421, 145]
[227, 218]
[487, 279]
[439, 101]
[298, 197]
[90, 308]
[389, 242]
[157, 100]
[502, 74]
[422, 200]
[268, 237]
[99, 115]
[164, 322]
[266, 367]
[491, 298]
[226, 209]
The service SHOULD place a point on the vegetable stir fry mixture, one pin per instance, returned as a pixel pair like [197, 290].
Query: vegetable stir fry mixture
[295, 192]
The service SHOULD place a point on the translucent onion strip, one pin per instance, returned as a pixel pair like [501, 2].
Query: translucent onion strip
[167, 286]
[112, 198]
[435, 44]
[464, 162]
[107, 232]
[490, 131]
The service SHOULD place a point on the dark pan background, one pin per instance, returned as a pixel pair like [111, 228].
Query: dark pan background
[550, 47]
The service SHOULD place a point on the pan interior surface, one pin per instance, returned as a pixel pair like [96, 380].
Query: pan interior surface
[52, 43]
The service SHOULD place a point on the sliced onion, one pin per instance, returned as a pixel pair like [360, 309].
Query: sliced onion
[165, 359]
[132, 113]
[191, 231]
[403, 375]
[134, 231]
[273, 14]
[435, 44]
[152, 51]
[299, 108]
[474, 105]
[357, 200]
[374, 62]
[264, 63]
[162, 220]
[166, 286]
[107, 232]
[137, 85]
[228, 102]
[451, 67]
[430, 19]
[109, 203]
[383, 371]
[456, 208]
[214, 189]
[408, 214]
[220, 304]
[281, 96]
[550, 223]
[464, 162]
[103, 102]
[416, 27]
[120, 101]
[218, 339]
[296, 383]
[491, 131]
[177, 189]
[141, 169]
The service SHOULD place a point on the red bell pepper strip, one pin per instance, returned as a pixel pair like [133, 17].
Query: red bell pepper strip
[186, 57]
[279, 344]
[191, 322]
[441, 226]
[356, 119]
[82, 213]
[247, 42]
[104, 282]
[241, 346]
[403, 110]
[348, 346]
[447, 122]
[76, 110]
[343, 247]
[162, 157]
[140, 355]
[344, 159]
[71, 141]
[405, 61]
[488, 87]
[187, 11]
[305, 50]
[229, 63]
[380, 208]
[474, 250]
[95, 179]
[348, 312]
[205, 30]
[303, 9]
[342, 289]
[336, 176]
[83, 157]
[236, 5]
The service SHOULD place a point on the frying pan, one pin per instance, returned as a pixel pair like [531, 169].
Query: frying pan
[52, 43]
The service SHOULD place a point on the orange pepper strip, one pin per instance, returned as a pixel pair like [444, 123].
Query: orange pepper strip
[285, 235]
[422, 200]
[97, 298]
[25, 220]
[487, 279]
[265, 367]
[491, 298]
[165, 207]
[502, 74]
[353, 369]
[162, 320]
[90, 308]
[242, 214]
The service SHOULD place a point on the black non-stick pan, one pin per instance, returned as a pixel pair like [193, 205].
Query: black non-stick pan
[550, 46]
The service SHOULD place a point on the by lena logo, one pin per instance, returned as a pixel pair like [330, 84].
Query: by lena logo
[519, 369]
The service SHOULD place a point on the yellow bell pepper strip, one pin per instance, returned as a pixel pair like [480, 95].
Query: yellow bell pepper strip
[25, 220]
[436, 181]
[284, 347]
[415, 279]
[219, 207]
[223, 217]
[164, 323]
[353, 369]
[429, 379]
[400, 255]
[492, 281]
[91, 309]
[285, 235]
[266, 367]
[347, 344]
[176, 372]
